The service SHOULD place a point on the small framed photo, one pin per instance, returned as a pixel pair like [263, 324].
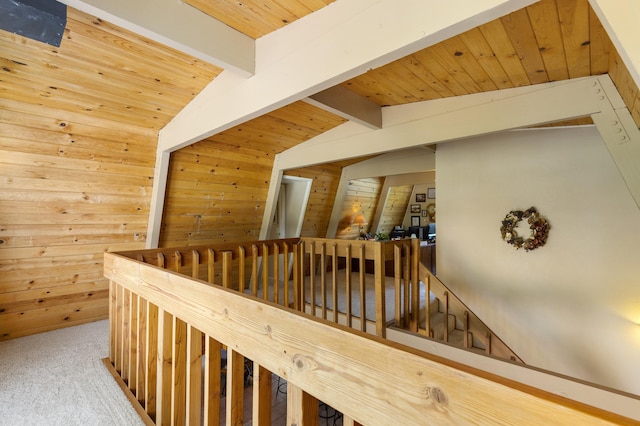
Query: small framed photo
[415, 220]
[421, 198]
[415, 208]
[424, 213]
[431, 193]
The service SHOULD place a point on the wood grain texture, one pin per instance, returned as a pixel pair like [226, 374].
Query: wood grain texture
[78, 130]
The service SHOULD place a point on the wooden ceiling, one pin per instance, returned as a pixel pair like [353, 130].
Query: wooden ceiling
[107, 72]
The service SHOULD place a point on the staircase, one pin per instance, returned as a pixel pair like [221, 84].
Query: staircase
[452, 322]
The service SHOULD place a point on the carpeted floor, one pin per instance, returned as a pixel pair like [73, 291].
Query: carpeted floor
[58, 378]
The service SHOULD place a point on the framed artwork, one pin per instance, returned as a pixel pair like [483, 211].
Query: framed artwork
[424, 213]
[415, 208]
[431, 193]
[421, 198]
[415, 220]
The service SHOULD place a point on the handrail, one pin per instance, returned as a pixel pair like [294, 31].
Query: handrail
[157, 314]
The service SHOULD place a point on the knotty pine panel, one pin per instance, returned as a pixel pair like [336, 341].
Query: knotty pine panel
[362, 196]
[395, 207]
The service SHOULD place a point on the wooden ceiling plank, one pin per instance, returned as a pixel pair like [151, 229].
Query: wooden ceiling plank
[544, 20]
[623, 80]
[523, 39]
[385, 44]
[179, 26]
[574, 18]
[460, 54]
[496, 35]
[600, 45]
[433, 88]
[441, 73]
[487, 59]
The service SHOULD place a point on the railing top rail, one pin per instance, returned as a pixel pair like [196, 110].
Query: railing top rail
[370, 380]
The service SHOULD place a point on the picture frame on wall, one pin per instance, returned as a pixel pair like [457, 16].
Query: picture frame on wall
[424, 213]
[415, 220]
[421, 198]
[415, 208]
[431, 193]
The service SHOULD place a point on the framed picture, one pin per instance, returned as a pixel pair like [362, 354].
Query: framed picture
[415, 208]
[431, 193]
[421, 198]
[424, 213]
[415, 220]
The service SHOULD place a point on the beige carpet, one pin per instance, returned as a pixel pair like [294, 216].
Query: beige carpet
[58, 378]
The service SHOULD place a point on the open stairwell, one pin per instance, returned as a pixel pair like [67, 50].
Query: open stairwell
[451, 321]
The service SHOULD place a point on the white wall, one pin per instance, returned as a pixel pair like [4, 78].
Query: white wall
[572, 306]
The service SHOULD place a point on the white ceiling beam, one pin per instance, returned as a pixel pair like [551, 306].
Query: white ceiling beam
[620, 19]
[179, 26]
[323, 49]
[437, 121]
[349, 105]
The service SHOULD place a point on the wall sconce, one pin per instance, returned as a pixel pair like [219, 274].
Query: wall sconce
[360, 221]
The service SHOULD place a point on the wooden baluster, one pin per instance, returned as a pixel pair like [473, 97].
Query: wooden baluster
[334, 280]
[363, 294]
[195, 264]
[298, 267]
[126, 335]
[415, 285]
[254, 269]
[465, 329]
[488, 344]
[141, 368]
[397, 281]
[446, 316]
[235, 387]
[323, 280]
[302, 408]
[276, 272]
[113, 320]
[406, 284]
[227, 269]
[177, 256]
[140, 257]
[379, 286]
[265, 272]
[285, 273]
[348, 296]
[133, 343]
[179, 372]
[213, 382]
[165, 386]
[312, 277]
[151, 379]
[194, 376]
[427, 325]
[161, 261]
[242, 255]
[261, 410]
[211, 261]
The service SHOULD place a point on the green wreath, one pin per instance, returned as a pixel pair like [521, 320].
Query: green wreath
[538, 225]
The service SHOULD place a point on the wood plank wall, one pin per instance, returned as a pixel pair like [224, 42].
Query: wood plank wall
[72, 189]
[361, 197]
[218, 187]
[78, 135]
[394, 208]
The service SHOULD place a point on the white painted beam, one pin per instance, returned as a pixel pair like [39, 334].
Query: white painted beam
[160, 174]
[620, 19]
[180, 26]
[325, 48]
[347, 104]
[437, 121]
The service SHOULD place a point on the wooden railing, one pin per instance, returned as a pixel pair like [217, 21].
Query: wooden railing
[168, 330]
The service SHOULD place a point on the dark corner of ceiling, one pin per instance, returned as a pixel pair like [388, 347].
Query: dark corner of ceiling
[42, 20]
